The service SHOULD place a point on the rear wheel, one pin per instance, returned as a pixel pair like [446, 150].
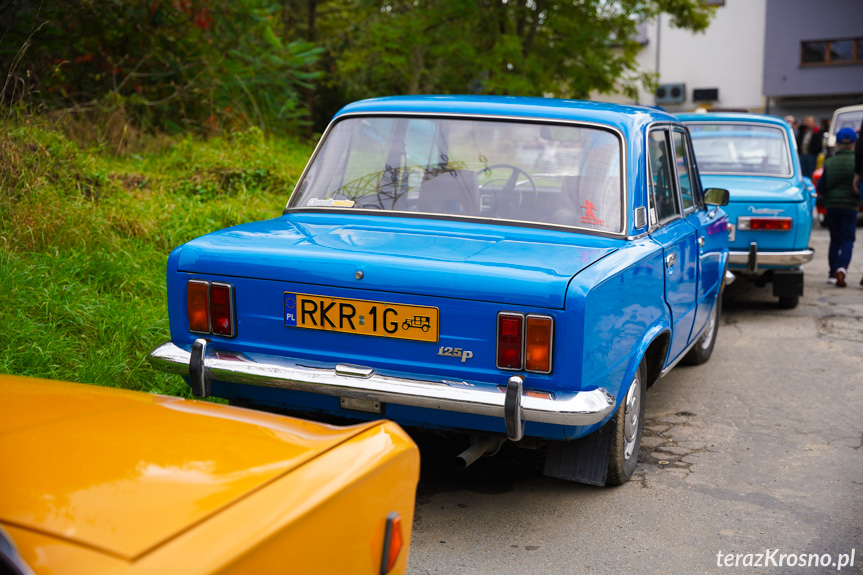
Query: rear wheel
[626, 427]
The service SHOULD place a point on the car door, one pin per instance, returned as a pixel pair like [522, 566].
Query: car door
[709, 228]
[678, 238]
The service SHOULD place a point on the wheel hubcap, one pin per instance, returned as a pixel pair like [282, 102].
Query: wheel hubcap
[631, 413]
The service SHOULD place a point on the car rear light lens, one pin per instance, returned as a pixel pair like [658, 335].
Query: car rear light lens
[221, 309]
[510, 340]
[537, 347]
[210, 307]
[393, 543]
[197, 305]
[769, 224]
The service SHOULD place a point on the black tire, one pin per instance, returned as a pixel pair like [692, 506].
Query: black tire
[703, 349]
[788, 301]
[626, 427]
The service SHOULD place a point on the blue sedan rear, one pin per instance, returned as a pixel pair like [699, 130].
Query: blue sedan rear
[511, 269]
[770, 210]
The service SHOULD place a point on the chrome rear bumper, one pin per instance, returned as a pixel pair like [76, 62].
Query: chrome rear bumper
[508, 401]
[796, 258]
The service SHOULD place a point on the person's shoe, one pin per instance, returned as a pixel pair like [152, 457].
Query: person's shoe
[831, 281]
[840, 277]
[861, 281]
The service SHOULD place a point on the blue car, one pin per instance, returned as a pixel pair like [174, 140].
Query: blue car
[504, 269]
[755, 158]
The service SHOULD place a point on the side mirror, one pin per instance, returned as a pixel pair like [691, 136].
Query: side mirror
[716, 197]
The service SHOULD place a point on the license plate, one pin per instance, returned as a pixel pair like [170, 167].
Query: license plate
[414, 322]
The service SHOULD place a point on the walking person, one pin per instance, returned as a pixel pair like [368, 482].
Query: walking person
[808, 145]
[858, 167]
[841, 200]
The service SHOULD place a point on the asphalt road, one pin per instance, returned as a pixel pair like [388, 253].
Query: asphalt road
[757, 452]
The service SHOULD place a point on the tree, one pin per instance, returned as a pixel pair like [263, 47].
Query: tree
[562, 48]
[191, 64]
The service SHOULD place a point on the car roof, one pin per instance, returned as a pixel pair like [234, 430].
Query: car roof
[735, 117]
[761, 134]
[843, 109]
[626, 118]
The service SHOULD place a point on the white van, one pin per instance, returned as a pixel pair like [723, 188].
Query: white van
[846, 117]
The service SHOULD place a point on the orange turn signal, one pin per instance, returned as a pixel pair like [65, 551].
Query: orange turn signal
[197, 304]
[538, 340]
[393, 542]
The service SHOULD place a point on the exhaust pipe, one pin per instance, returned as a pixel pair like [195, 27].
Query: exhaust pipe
[480, 445]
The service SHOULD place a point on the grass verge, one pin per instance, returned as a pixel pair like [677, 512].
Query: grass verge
[85, 235]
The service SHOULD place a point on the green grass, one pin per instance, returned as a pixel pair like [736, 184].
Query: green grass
[85, 235]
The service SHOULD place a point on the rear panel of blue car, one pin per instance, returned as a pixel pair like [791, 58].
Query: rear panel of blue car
[465, 326]
[795, 239]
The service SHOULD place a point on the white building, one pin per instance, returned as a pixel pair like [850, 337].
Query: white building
[779, 57]
[721, 68]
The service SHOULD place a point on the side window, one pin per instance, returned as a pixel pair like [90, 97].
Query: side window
[684, 174]
[661, 187]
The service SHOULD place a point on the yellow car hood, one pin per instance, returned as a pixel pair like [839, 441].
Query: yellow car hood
[122, 472]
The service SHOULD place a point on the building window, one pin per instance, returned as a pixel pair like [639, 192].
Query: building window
[842, 51]
[839, 51]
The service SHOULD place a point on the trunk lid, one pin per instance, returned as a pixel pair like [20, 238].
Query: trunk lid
[438, 258]
[124, 472]
[743, 189]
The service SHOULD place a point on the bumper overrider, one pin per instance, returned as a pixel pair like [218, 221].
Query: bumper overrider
[204, 364]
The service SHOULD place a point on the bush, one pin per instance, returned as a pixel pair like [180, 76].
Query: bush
[189, 65]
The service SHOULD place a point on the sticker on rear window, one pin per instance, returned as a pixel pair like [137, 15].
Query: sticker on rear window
[330, 203]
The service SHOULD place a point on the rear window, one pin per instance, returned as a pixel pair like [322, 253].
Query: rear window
[851, 119]
[519, 171]
[741, 149]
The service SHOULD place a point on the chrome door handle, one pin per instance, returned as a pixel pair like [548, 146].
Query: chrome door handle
[700, 241]
[669, 260]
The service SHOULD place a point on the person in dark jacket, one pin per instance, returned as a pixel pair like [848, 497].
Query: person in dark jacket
[858, 166]
[841, 200]
[809, 145]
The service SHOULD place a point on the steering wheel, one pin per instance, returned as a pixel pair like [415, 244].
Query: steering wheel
[525, 197]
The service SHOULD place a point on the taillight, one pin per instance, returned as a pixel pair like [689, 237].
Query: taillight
[221, 309]
[524, 343]
[510, 332]
[393, 543]
[537, 344]
[769, 224]
[197, 305]
[210, 307]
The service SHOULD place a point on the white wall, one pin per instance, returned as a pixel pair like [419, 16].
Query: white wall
[729, 56]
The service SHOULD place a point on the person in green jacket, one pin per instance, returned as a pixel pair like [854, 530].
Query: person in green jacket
[841, 198]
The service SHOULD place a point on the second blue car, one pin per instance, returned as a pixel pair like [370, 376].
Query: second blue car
[755, 158]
